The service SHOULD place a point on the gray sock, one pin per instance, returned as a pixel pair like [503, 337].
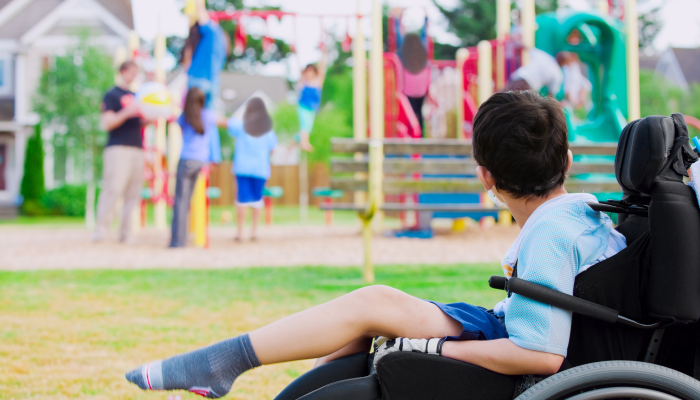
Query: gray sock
[208, 372]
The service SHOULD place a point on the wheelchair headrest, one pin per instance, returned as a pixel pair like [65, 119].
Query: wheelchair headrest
[651, 148]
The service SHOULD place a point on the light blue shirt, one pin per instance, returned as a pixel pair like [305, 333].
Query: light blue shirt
[205, 147]
[561, 239]
[252, 154]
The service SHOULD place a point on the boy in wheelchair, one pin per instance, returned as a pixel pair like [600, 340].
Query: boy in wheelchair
[520, 144]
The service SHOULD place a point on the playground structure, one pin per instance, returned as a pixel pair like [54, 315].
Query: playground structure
[480, 71]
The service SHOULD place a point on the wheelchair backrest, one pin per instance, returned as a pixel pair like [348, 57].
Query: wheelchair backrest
[652, 158]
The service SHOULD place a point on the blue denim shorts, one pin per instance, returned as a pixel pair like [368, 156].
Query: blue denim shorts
[249, 191]
[477, 322]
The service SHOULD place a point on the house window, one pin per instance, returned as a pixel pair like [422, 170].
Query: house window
[3, 166]
[6, 89]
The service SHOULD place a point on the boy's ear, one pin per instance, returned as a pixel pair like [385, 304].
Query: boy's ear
[485, 177]
[571, 160]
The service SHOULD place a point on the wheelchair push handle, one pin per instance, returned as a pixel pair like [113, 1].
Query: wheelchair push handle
[564, 301]
[554, 298]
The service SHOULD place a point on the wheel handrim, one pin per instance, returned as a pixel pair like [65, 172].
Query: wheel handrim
[623, 392]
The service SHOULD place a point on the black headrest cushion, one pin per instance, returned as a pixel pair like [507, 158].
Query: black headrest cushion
[650, 148]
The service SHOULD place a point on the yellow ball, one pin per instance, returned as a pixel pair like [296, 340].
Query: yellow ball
[154, 101]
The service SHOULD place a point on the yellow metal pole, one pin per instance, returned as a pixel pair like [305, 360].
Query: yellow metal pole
[527, 25]
[359, 97]
[462, 56]
[603, 7]
[198, 209]
[502, 30]
[485, 71]
[160, 139]
[632, 42]
[376, 153]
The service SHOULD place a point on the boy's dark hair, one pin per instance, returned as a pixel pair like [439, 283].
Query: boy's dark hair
[312, 68]
[194, 103]
[414, 56]
[256, 119]
[126, 65]
[521, 138]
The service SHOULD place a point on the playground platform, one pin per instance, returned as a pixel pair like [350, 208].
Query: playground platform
[36, 247]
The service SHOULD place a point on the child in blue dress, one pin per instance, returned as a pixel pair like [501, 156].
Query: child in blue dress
[521, 147]
[255, 140]
[200, 137]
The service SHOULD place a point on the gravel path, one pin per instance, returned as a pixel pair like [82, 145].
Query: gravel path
[29, 248]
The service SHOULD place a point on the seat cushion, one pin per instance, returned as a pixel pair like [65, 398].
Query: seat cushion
[414, 376]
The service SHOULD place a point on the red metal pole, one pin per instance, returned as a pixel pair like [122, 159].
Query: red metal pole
[268, 210]
[329, 212]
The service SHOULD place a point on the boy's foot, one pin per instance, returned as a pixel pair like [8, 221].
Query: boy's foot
[208, 372]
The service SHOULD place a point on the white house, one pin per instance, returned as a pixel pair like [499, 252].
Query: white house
[680, 66]
[31, 31]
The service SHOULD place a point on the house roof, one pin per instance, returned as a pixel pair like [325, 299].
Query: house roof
[31, 12]
[120, 9]
[236, 88]
[648, 62]
[27, 17]
[688, 60]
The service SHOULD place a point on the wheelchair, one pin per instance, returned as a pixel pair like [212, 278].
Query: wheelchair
[634, 332]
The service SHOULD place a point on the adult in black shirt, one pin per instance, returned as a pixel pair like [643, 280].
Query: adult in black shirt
[123, 155]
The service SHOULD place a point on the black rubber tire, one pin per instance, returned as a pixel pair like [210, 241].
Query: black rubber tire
[614, 374]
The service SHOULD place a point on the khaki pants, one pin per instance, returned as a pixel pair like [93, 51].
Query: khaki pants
[122, 178]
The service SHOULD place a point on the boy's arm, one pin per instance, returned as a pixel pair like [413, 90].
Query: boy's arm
[202, 13]
[323, 66]
[503, 356]
[215, 147]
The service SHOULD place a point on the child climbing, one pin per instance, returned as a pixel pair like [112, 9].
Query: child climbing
[577, 87]
[204, 55]
[542, 71]
[200, 146]
[255, 140]
[416, 78]
[311, 84]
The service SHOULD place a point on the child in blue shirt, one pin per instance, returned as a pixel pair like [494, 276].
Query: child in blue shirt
[200, 146]
[521, 147]
[311, 84]
[255, 140]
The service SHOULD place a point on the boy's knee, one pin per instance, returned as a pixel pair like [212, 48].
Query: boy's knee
[377, 294]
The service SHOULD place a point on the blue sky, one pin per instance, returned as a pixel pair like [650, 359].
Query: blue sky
[681, 20]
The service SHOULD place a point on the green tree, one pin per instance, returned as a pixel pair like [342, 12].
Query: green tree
[32, 186]
[658, 96]
[68, 101]
[650, 25]
[474, 20]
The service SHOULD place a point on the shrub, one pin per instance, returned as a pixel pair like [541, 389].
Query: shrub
[66, 200]
[32, 187]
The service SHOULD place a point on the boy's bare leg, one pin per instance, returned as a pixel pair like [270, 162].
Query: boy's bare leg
[360, 345]
[240, 220]
[256, 218]
[366, 312]
[339, 327]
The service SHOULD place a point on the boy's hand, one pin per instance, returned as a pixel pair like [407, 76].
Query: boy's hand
[426, 346]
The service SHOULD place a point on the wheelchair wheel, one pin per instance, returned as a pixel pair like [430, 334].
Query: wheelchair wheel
[616, 380]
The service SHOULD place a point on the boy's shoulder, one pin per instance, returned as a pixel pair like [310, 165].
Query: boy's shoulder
[565, 227]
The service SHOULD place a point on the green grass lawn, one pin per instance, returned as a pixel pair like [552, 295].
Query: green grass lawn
[73, 334]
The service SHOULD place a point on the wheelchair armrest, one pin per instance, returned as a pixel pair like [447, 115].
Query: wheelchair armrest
[564, 301]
